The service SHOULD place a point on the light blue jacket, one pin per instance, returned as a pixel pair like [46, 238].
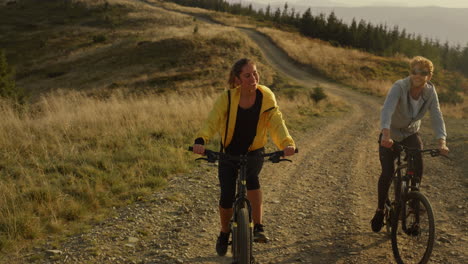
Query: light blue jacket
[397, 112]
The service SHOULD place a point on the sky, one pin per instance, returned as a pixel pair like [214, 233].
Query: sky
[355, 3]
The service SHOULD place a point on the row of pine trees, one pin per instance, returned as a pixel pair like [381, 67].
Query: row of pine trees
[376, 39]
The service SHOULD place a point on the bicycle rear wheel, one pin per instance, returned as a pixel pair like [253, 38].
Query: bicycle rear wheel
[242, 237]
[413, 240]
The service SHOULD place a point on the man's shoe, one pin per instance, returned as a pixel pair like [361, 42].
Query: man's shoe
[259, 234]
[377, 220]
[222, 243]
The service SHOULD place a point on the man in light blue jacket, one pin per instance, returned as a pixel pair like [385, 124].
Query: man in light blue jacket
[406, 104]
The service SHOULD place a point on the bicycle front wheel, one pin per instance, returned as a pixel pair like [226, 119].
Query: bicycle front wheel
[242, 237]
[413, 238]
[389, 209]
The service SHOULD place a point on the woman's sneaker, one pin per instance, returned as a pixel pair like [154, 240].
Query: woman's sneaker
[259, 234]
[377, 220]
[222, 243]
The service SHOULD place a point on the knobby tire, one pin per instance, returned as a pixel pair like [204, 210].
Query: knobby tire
[403, 253]
[242, 246]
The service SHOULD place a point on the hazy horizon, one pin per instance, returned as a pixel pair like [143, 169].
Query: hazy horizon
[435, 20]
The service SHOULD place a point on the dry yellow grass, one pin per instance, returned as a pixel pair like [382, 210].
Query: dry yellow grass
[70, 156]
[459, 111]
[337, 63]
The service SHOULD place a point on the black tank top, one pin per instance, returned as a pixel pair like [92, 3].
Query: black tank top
[246, 127]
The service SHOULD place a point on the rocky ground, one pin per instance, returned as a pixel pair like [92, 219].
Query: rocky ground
[317, 209]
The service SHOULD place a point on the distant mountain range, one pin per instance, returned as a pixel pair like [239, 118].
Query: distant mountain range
[438, 23]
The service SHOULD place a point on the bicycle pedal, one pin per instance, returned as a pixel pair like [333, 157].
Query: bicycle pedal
[265, 240]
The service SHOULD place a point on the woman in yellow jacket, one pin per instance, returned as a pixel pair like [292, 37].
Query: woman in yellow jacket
[242, 116]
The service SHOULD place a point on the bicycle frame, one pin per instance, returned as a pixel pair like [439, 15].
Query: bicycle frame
[404, 183]
[407, 182]
[241, 193]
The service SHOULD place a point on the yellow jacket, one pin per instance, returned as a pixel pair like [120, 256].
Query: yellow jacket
[270, 120]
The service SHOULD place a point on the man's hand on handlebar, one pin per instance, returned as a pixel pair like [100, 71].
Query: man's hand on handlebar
[386, 141]
[444, 150]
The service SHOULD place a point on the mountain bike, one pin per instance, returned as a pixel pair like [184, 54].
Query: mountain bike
[241, 221]
[409, 217]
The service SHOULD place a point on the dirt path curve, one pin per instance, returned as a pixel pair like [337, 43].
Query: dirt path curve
[326, 201]
[317, 209]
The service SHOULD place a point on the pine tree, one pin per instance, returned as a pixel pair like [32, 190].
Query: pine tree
[277, 16]
[464, 61]
[284, 15]
[305, 24]
[268, 12]
[354, 33]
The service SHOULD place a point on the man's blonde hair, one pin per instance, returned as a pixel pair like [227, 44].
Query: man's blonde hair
[421, 61]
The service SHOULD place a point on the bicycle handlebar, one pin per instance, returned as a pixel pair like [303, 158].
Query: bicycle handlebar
[213, 156]
[433, 152]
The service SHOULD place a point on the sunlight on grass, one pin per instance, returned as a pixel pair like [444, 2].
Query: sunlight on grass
[70, 155]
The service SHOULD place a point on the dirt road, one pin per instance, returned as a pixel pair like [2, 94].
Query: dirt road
[317, 209]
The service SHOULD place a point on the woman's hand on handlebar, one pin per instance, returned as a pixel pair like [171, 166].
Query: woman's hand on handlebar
[289, 151]
[198, 149]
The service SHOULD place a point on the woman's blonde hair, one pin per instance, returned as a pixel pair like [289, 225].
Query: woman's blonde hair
[419, 60]
[236, 71]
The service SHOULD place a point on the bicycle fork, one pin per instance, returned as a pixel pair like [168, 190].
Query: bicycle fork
[243, 202]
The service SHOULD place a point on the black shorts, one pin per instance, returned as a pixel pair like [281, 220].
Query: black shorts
[228, 172]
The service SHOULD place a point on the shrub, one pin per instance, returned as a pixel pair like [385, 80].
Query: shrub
[7, 82]
[318, 94]
[450, 98]
[99, 38]
[291, 93]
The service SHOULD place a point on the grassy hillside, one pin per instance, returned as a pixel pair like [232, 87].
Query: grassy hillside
[116, 93]
[126, 45]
